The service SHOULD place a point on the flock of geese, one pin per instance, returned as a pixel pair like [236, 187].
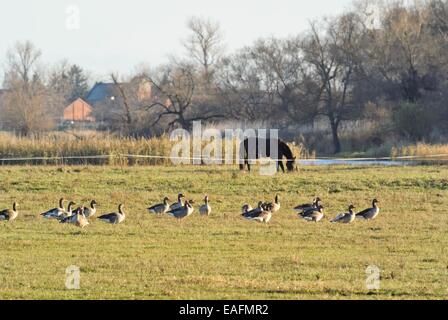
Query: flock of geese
[181, 209]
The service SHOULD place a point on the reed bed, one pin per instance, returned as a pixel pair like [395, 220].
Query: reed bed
[93, 148]
[422, 150]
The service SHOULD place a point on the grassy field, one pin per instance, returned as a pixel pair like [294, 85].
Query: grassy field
[224, 256]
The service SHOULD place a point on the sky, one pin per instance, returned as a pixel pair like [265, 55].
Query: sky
[106, 36]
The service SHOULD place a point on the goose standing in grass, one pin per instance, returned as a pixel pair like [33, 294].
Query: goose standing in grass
[347, 217]
[308, 206]
[9, 214]
[78, 219]
[314, 215]
[370, 213]
[246, 208]
[56, 212]
[182, 212]
[161, 207]
[179, 204]
[205, 209]
[258, 209]
[273, 206]
[90, 211]
[114, 217]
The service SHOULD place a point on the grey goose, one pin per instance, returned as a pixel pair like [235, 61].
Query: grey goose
[179, 203]
[315, 214]
[161, 207]
[114, 217]
[205, 209]
[370, 213]
[182, 212]
[9, 214]
[347, 217]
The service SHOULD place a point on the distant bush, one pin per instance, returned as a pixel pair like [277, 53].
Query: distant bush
[413, 122]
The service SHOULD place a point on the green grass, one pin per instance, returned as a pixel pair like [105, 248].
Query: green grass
[224, 256]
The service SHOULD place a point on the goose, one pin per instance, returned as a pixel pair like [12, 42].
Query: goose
[205, 209]
[258, 209]
[260, 216]
[315, 214]
[179, 204]
[90, 211]
[370, 213]
[114, 217]
[161, 207]
[9, 214]
[56, 212]
[66, 214]
[308, 206]
[347, 217]
[246, 208]
[182, 212]
[78, 219]
[273, 206]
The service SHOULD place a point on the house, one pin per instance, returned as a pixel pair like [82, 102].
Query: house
[78, 111]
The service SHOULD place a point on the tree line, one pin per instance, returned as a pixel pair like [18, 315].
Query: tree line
[379, 65]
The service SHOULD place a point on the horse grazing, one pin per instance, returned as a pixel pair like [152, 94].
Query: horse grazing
[265, 145]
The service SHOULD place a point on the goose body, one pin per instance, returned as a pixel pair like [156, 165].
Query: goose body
[56, 212]
[114, 217]
[66, 214]
[78, 219]
[370, 213]
[205, 209]
[260, 216]
[179, 204]
[9, 214]
[347, 217]
[182, 212]
[273, 206]
[161, 207]
[308, 206]
[314, 215]
[90, 211]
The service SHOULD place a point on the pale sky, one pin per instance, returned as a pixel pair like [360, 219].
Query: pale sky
[117, 35]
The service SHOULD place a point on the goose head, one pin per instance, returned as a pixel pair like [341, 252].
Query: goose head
[189, 203]
[260, 204]
[276, 198]
[93, 204]
[206, 199]
[165, 200]
[351, 208]
[375, 203]
[180, 196]
[120, 208]
[14, 206]
[317, 201]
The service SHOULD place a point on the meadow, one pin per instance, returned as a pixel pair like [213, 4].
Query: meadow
[224, 256]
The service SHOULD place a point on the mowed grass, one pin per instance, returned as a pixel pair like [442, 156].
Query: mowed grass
[225, 256]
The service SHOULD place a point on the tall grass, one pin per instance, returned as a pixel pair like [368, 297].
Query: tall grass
[421, 150]
[95, 148]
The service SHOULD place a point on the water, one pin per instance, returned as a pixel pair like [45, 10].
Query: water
[327, 162]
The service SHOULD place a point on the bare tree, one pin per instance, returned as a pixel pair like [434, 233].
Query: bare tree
[175, 97]
[29, 105]
[205, 44]
[331, 53]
